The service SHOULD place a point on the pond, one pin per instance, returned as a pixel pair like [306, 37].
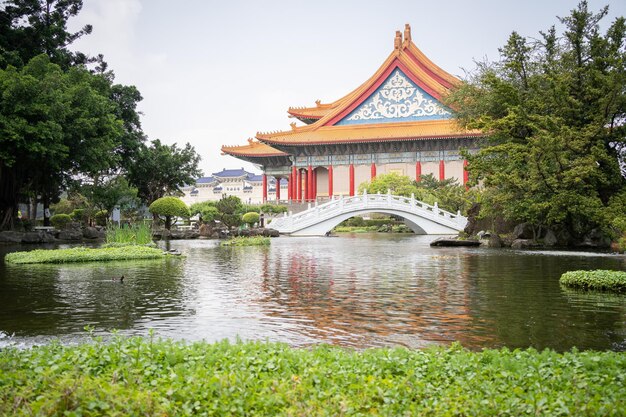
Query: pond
[357, 290]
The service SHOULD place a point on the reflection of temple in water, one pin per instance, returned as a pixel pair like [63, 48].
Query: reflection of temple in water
[411, 305]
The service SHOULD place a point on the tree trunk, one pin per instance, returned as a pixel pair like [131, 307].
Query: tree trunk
[168, 222]
[8, 197]
[46, 210]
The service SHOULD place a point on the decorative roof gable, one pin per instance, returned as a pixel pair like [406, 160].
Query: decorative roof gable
[398, 99]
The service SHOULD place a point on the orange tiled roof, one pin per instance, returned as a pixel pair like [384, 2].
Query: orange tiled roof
[252, 149]
[428, 129]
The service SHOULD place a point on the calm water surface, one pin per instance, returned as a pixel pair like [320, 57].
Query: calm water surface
[353, 290]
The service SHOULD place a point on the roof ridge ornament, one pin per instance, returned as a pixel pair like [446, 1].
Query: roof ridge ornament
[397, 42]
[293, 125]
[407, 33]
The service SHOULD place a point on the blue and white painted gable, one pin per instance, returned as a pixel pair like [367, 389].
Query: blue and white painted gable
[398, 99]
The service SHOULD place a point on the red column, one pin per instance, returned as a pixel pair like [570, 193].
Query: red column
[465, 172]
[314, 196]
[264, 188]
[351, 180]
[309, 188]
[373, 171]
[330, 181]
[299, 186]
[289, 187]
[418, 171]
[277, 189]
[294, 183]
[305, 181]
[442, 171]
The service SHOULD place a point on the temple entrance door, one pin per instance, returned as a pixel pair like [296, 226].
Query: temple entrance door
[321, 183]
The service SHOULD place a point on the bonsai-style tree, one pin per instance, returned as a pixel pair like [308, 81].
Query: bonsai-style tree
[169, 207]
[250, 218]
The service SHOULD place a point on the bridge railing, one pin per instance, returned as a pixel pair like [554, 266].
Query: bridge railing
[341, 205]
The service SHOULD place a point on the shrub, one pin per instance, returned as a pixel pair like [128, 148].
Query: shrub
[250, 218]
[79, 215]
[169, 207]
[101, 217]
[206, 210]
[273, 208]
[60, 221]
[595, 280]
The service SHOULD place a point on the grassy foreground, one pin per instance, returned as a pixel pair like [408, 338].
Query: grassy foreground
[145, 377]
[602, 280]
[82, 254]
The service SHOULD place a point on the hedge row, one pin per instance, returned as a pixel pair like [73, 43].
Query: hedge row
[147, 377]
[595, 280]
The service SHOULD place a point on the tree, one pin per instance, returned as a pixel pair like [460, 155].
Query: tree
[229, 209]
[163, 169]
[397, 184]
[53, 125]
[554, 110]
[32, 27]
[206, 210]
[169, 207]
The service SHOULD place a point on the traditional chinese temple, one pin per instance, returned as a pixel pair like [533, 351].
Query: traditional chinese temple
[395, 122]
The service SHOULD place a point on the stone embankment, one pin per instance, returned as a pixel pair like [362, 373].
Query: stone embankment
[525, 236]
[71, 234]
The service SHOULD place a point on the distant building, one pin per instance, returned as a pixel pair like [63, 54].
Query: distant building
[233, 182]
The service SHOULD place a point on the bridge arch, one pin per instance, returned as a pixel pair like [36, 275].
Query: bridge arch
[420, 217]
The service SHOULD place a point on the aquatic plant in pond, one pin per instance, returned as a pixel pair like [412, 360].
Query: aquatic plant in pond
[595, 280]
[139, 234]
[161, 377]
[82, 254]
[247, 241]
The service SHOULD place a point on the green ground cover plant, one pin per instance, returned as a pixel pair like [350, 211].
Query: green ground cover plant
[134, 376]
[595, 280]
[247, 241]
[83, 254]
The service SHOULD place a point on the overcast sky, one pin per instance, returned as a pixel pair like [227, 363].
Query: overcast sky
[214, 73]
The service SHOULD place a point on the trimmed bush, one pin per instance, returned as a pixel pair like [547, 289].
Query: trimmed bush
[60, 221]
[169, 207]
[134, 376]
[101, 217]
[82, 254]
[602, 280]
[250, 218]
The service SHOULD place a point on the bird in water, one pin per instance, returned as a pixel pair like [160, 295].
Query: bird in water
[120, 279]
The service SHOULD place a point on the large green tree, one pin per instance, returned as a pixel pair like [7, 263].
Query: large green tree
[32, 27]
[54, 125]
[554, 110]
[159, 170]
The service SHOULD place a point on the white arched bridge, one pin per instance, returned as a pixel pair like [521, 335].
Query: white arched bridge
[422, 218]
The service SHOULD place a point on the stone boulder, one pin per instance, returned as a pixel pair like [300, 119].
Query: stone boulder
[594, 239]
[271, 233]
[70, 234]
[495, 242]
[38, 236]
[444, 241]
[93, 233]
[524, 244]
[550, 239]
[523, 231]
[10, 237]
